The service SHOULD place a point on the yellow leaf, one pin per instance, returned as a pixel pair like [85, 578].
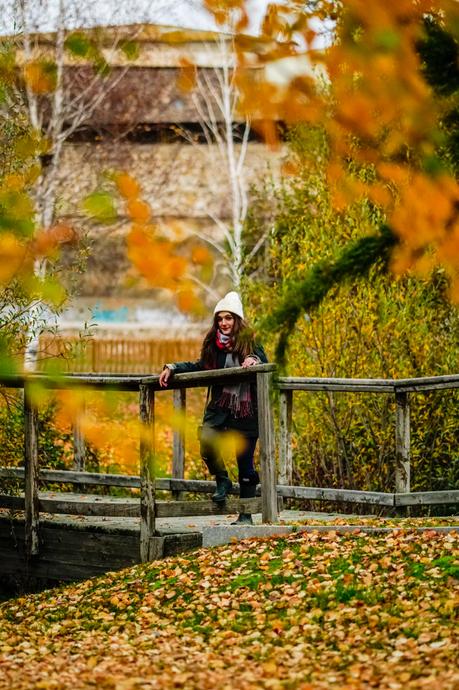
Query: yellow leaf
[12, 254]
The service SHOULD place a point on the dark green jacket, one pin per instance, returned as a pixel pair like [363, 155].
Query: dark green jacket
[214, 415]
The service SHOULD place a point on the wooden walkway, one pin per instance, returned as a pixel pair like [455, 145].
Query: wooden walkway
[74, 547]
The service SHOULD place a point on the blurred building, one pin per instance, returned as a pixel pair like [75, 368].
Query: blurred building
[136, 127]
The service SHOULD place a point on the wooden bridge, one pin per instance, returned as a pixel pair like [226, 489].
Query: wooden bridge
[69, 536]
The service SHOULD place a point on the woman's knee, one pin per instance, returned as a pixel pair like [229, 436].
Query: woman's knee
[209, 442]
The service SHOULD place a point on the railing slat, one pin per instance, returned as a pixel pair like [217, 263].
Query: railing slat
[402, 443]
[79, 446]
[427, 498]
[32, 516]
[178, 443]
[104, 506]
[313, 493]
[285, 437]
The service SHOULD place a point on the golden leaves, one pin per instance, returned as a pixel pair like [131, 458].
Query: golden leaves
[374, 104]
[139, 211]
[156, 258]
[127, 186]
[429, 205]
[12, 255]
[217, 609]
[201, 255]
[47, 242]
[40, 76]
[188, 75]
[231, 13]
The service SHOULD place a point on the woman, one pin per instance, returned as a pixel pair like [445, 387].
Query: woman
[229, 343]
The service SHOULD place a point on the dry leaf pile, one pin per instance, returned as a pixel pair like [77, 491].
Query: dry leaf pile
[307, 611]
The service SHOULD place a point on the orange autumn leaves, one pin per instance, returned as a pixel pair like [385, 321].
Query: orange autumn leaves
[367, 89]
[430, 208]
[40, 76]
[155, 257]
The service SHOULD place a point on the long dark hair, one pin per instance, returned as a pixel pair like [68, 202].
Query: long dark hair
[243, 341]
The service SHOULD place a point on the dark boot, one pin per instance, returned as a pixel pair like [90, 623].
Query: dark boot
[247, 490]
[243, 519]
[224, 485]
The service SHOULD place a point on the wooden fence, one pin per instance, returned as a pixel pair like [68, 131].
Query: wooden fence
[117, 355]
[401, 389]
[149, 508]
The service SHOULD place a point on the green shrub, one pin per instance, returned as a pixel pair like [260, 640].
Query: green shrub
[379, 327]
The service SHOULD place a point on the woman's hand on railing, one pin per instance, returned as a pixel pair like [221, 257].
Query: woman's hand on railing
[164, 377]
[250, 361]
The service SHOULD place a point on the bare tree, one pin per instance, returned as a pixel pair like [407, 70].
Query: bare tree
[57, 110]
[215, 97]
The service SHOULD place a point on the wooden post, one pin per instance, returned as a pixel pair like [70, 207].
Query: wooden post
[178, 452]
[402, 443]
[147, 473]
[285, 440]
[93, 355]
[79, 448]
[267, 449]
[31, 471]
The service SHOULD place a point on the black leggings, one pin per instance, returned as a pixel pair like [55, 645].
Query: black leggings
[210, 453]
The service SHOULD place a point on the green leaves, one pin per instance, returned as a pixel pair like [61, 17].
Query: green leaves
[16, 212]
[79, 44]
[83, 46]
[130, 49]
[100, 207]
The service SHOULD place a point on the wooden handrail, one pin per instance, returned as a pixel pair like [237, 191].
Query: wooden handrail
[313, 383]
[399, 388]
[128, 382]
[148, 385]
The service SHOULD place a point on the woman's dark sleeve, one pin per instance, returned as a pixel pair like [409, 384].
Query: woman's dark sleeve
[184, 367]
[260, 353]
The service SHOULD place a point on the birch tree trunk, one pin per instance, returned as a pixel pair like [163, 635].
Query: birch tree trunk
[216, 99]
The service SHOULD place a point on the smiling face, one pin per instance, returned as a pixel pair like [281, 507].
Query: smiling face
[225, 322]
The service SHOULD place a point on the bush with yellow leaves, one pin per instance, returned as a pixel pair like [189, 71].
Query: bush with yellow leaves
[378, 327]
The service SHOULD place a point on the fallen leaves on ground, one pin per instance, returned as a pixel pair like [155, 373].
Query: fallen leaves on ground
[307, 611]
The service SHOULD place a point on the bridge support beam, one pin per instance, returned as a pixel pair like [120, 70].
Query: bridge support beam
[31, 475]
[270, 511]
[402, 443]
[147, 472]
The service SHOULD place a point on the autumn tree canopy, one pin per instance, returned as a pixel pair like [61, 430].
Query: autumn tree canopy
[371, 92]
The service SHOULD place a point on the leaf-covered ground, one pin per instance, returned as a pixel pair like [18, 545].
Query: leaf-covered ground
[303, 612]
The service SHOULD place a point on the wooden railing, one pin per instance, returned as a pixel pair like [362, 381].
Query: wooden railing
[148, 508]
[399, 388]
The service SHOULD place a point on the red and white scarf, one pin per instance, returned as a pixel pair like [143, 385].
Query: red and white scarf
[237, 398]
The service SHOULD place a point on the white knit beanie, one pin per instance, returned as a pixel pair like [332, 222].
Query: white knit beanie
[230, 302]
